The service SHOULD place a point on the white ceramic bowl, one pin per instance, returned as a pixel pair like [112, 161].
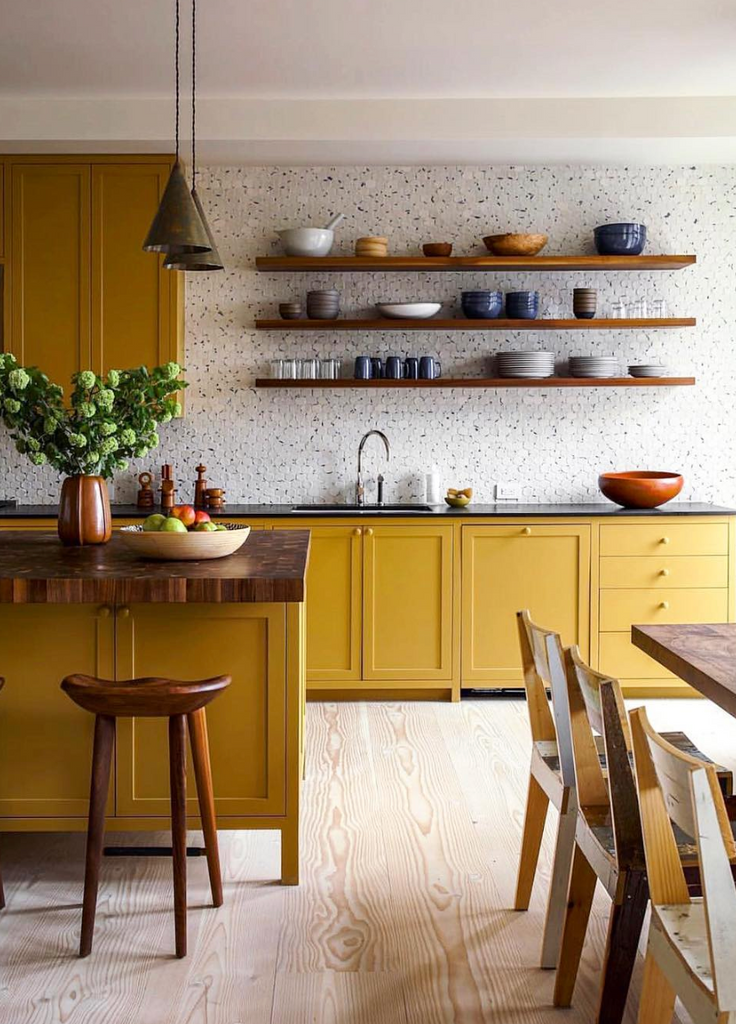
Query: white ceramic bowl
[408, 310]
[184, 547]
[306, 241]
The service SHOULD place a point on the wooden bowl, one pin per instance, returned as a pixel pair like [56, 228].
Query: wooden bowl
[437, 248]
[459, 501]
[184, 547]
[640, 489]
[515, 245]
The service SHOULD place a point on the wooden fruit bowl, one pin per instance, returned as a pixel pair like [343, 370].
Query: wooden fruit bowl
[184, 547]
[640, 489]
[515, 245]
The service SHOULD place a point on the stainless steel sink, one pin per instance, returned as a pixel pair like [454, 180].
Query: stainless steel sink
[346, 509]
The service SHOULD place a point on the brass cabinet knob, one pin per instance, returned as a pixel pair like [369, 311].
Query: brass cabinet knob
[104, 612]
[665, 540]
[664, 572]
[665, 605]
[526, 531]
[357, 531]
[369, 531]
[123, 612]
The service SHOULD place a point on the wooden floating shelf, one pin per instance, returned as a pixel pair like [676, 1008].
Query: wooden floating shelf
[360, 264]
[483, 382]
[461, 324]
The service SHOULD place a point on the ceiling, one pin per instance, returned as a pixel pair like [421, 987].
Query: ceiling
[272, 73]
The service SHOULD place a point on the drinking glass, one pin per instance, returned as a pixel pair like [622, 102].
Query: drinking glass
[329, 369]
[308, 368]
[276, 368]
[618, 309]
[289, 369]
[657, 309]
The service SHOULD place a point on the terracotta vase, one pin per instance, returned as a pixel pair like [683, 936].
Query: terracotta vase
[84, 511]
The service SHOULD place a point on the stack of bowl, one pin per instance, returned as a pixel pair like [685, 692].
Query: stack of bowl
[522, 305]
[482, 304]
[323, 304]
[594, 366]
[532, 365]
[371, 245]
[620, 239]
[584, 302]
[648, 370]
[290, 310]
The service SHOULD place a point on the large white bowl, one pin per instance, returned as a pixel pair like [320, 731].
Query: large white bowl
[184, 547]
[306, 241]
[408, 310]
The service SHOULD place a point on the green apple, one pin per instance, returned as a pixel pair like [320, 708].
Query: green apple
[154, 522]
[220, 526]
[204, 528]
[173, 525]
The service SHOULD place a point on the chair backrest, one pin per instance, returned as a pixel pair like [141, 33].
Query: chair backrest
[597, 708]
[676, 787]
[542, 661]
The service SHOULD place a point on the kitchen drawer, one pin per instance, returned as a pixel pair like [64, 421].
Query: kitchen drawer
[663, 571]
[664, 538]
[619, 609]
[619, 658]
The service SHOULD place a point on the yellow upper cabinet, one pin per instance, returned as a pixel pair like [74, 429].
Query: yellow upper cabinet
[506, 568]
[407, 603]
[134, 300]
[83, 294]
[50, 268]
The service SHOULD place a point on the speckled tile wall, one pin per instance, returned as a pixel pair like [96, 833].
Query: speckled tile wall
[272, 446]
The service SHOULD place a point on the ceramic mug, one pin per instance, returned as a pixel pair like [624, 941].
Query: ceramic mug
[394, 368]
[411, 368]
[362, 368]
[376, 367]
[429, 368]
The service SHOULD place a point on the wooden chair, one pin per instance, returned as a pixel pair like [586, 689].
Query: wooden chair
[2, 891]
[551, 777]
[183, 704]
[690, 953]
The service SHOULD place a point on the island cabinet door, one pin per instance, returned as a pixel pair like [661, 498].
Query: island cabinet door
[45, 739]
[334, 603]
[407, 603]
[506, 568]
[245, 723]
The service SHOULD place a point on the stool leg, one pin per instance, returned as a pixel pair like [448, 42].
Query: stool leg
[99, 788]
[199, 743]
[178, 775]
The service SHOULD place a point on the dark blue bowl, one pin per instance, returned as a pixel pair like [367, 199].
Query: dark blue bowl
[522, 305]
[620, 239]
[482, 305]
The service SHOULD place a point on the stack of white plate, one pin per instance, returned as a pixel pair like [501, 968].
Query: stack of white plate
[648, 370]
[594, 366]
[526, 364]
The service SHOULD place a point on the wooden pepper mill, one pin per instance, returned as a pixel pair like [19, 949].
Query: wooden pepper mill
[146, 497]
[200, 487]
[168, 488]
[215, 498]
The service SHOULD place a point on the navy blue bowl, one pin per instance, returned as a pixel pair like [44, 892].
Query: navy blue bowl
[522, 305]
[482, 305]
[620, 239]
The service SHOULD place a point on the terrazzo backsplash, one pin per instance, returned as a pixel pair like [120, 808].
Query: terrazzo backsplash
[272, 446]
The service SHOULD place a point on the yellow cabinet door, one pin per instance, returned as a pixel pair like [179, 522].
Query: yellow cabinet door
[46, 740]
[134, 300]
[50, 268]
[407, 603]
[334, 602]
[506, 568]
[246, 723]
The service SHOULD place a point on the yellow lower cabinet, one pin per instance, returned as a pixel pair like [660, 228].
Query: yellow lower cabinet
[46, 744]
[506, 568]
[620, 659]
[334, 603]
[407, 603]
[620, 608]
[246, 723]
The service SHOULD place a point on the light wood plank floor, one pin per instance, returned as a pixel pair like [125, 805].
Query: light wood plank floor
[411, 826]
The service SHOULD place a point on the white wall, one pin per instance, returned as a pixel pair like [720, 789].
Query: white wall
[284, 446]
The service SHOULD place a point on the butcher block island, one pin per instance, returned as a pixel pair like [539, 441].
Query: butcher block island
[102, 611]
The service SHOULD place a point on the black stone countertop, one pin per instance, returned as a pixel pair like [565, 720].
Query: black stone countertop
[505, 510]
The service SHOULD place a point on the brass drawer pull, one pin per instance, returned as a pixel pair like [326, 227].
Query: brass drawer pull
[104, 611]
[357, 531]
[665, 540]
[664, 572]
[124, 612]
[664, 604]
[526, 531]
[369, 531]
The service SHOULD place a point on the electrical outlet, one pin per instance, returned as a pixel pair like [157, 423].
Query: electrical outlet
[507, 492]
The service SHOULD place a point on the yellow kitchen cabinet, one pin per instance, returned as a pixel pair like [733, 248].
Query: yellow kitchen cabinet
[408, 603]
[505, 568]
[50, 268]
[41, 729]
[334, 603]
[134, 299]
[82, 293]
[664, 539]
[245, 724]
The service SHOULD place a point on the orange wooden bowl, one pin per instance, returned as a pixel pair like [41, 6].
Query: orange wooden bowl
[640, 489]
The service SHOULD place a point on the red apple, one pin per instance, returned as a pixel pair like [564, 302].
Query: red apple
[201, 517]
[185, 513]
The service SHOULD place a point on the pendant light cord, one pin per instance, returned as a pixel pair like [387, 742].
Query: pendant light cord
[194, 94]
[176, 67]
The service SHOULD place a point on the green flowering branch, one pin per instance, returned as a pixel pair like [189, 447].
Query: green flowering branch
[109, 421]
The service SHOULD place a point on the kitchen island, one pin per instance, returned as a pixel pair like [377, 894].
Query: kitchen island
[103, 611]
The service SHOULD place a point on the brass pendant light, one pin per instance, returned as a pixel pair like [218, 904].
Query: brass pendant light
[196, 260]
[177, 226]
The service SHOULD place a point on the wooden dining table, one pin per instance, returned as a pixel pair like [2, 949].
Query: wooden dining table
[703, 655]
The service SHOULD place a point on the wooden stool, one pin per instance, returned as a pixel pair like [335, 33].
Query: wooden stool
[180, 702]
